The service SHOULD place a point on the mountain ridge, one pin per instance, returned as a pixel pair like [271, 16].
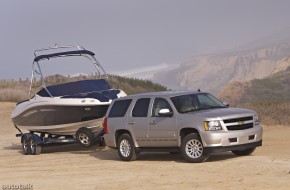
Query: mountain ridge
[212, 72]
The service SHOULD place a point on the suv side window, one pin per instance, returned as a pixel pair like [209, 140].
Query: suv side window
[160, 103]
[119, 108]
[141, 107]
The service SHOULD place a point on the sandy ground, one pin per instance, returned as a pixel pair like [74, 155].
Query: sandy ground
[75, 167]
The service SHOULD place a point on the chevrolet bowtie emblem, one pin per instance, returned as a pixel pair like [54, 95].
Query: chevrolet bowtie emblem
[241, 123]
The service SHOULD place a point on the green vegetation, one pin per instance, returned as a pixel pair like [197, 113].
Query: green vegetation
[273, 88]
[15, 91]
[133, 85]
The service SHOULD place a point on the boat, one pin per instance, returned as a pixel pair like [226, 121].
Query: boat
[64, 109]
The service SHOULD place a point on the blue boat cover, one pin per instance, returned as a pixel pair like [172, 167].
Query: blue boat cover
[99, 89]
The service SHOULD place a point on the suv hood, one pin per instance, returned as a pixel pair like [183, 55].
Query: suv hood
[224, 113]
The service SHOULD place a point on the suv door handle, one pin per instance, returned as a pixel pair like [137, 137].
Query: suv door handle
[132, 122]
[152, 123]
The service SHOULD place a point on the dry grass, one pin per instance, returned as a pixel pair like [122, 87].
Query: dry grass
[13, 91]
[269, 97]
[13, 95]
[271, 112]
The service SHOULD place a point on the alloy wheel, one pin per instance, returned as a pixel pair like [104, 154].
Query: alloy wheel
[125, 148]
[84, 139]
[194, 148]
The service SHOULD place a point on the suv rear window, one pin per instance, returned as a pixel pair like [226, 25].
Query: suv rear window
[141, 107]
[119, 108]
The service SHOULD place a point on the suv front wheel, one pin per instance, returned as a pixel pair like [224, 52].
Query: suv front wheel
[126, 149]
[192, 149]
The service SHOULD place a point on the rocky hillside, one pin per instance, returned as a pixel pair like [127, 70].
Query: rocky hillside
[270, 97]
[212, 72]
[275, 87]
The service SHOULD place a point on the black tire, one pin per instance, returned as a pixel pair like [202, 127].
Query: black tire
[192, 149]
[33, 148]
[86, 137]
[245, 152]
[126, 149]
[25, 146]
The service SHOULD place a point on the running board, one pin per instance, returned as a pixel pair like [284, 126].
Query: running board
[159, 149]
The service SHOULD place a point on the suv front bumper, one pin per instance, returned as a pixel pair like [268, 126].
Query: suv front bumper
[232, 140]
[231, 148]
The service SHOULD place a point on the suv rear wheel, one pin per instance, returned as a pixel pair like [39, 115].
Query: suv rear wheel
[192, 149]
[126, 149]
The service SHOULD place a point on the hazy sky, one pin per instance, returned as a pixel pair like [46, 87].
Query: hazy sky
[130, 34]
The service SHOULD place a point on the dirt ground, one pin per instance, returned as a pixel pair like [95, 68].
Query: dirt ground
[75, 167]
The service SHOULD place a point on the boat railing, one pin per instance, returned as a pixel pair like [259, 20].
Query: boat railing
[71, 50]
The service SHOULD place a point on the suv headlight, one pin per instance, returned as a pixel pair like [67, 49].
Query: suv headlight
[256, 120]
[213, 125]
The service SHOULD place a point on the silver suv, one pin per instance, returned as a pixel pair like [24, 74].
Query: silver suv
[193, 123]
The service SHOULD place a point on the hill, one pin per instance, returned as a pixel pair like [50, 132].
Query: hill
[15, 91]
[270, 97]
[212, 72]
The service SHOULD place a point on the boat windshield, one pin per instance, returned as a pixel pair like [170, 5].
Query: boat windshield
[77, 87]
[195, 102]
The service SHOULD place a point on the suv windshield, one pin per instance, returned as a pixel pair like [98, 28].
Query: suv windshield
[195, 102]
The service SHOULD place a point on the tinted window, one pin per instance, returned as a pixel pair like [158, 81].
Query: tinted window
[119, 108]
[141, 107]
[159, 103]
[195, 102]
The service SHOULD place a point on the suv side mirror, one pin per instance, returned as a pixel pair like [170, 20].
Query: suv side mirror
[226, 104]
[165, 113]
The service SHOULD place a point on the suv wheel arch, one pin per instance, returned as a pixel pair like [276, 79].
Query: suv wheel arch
[121, 132]
[186, 131]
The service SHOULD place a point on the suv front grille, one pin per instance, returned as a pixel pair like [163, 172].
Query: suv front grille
[238, 119]
[241, 123]
[240, 127]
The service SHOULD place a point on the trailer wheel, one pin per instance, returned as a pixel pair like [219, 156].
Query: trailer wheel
[24, 141]
[86, 137]
[33, 148]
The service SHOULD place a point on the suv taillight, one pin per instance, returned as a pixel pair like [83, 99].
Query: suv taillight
[105, 125]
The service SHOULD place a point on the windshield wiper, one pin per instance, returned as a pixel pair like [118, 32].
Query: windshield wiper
[211, 107]
[190, 110]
